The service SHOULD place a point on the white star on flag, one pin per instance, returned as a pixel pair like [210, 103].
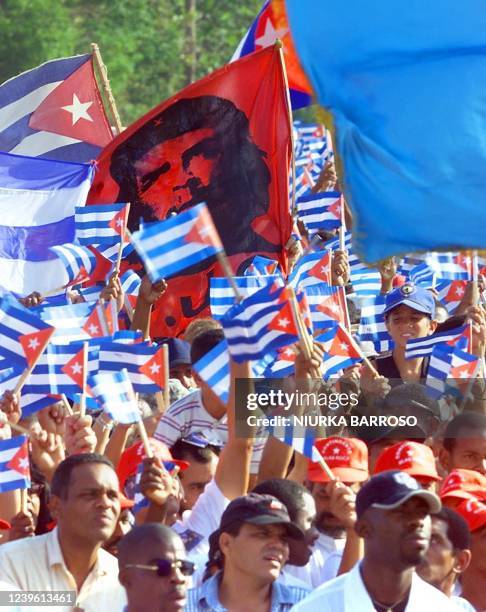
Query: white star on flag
[33, 343]
[344, 346]
[459, 291]
[283, 323]
[79, 110]
[119, 222]
[270, 35]
[155, 368]
[93, 329]
[23, 463]
[76, 368]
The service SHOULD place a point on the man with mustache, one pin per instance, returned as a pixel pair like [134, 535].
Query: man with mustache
[393, 518]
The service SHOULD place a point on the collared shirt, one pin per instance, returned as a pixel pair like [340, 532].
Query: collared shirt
[37, 564]
[206, 597]
[347, 593]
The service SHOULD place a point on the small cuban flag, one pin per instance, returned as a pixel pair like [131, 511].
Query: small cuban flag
[78, 262]
[14, 464]
[320, 211]
[100, 224]
[169, 246]
[115, 393]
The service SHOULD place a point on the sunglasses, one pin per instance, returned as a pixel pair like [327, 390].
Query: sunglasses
[164, 567]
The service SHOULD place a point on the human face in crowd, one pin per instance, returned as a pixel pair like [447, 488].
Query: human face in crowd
[195, 478]
[258, 551]
[149, 592]
[468, 453]
[168, 180]
[442, 563]
[91, 507]
[183, 373]
[301, 550]
[326, 522]
[404, 323]
[123, 526]
[399, 537]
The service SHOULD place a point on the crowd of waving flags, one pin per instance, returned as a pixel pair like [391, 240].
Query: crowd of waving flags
[52, 127]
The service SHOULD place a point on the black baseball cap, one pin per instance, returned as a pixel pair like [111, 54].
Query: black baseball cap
[391, 489]
[258, 510]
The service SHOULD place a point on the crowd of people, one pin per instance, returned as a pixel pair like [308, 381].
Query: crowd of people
[395, 521]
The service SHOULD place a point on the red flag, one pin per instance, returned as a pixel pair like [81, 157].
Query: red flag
[154, 368]
[35, 343]
[224, 140]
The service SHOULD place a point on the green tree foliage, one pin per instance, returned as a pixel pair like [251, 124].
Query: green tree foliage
[152, 48]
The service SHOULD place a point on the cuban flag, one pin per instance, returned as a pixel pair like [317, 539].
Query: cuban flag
[312, 141]
[214, 369]
[320, 210]
[29, 402]
[143, 362]
[450, 266]
[311, 269]
[262, 266]
[24, 335]
[61, 370]
[339, 351]
[372, 327]
[222, 296]
[327, 305]
[102, 320]
[423, 347]
[115, 393]
[54, 111]
[130, 284]
[269, 26]
[14, 464]
[170, 246]
[78, 262]
[67, 320]
[260, 324]
[422, 275]
[301, 439]
[451, 293]
[450, 371]
[280, 364]
[101, 224]
[37, 201]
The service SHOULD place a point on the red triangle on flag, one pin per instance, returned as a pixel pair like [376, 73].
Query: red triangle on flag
[465, 370]
[335, 208]
[118, 223]
[74, 368]
[322, 269]
[333, 307]
[35, 343]
[283, 321]
[456, 291]
[341, 345]
[20, 461]
[286, 353]
[81, 276]
[74, 109]
[154, 368]
[93, 326]
[203, 231]
[465, 262]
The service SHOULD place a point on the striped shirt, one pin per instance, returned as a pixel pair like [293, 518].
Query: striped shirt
[188, 416]
[206, 597]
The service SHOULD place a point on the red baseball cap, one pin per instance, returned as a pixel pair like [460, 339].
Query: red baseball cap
[463, 484]
[134, 455]
[346, 457]
[411, 457]
[473, 512]
[4, 525]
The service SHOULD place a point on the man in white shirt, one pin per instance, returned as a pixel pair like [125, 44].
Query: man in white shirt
[393, 518]
[86, 506]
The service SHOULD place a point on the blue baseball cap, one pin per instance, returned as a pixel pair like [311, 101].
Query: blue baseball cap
[391, 489]
[179, 352]
[415, 297]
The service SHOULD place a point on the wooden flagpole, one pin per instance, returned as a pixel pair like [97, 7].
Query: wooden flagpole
[106, 87]
[165, 354]
[305, 340]
[123, 233]
[279, 47]
[82, 402]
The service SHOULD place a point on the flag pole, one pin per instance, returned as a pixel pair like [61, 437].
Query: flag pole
[325, 468]
[279, 47]
[82, 401]
[165, 355]
[365, 359]
[305, 340]
[27, 372]
[106, 87]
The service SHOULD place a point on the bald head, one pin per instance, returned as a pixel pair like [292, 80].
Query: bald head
[147, 541]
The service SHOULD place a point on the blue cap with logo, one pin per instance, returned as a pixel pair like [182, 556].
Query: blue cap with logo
[391, 489]
[410, 295]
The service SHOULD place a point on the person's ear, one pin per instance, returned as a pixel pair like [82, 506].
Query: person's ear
[124, 578]
[433, 326]
[463, 559]
[444, 458]
[225, 542]
[54, 507]
[363, 528]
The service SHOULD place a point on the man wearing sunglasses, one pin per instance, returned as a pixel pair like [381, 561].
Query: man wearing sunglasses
[153, 569]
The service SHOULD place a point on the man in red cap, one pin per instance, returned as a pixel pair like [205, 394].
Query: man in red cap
[347, 459]
[474, 578]
[462, 484]
[413, 458]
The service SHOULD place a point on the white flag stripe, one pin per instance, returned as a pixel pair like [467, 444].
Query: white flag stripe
[42, 142]
[14, 111]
